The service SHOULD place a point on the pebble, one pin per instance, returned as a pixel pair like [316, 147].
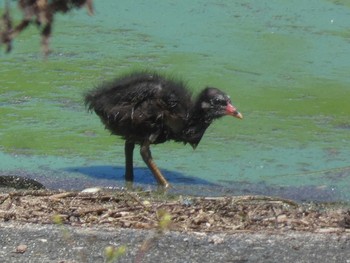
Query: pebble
[21, 248]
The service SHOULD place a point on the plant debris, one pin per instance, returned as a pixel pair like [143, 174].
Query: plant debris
[145, 210]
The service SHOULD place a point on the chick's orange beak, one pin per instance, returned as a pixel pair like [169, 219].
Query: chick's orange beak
[231, 110]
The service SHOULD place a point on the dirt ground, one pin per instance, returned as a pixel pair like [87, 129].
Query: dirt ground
[150, 210]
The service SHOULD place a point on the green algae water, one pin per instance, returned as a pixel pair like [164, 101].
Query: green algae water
[284, 63]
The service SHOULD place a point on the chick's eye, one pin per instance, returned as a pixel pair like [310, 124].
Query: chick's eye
[218, 101]
[213, 101]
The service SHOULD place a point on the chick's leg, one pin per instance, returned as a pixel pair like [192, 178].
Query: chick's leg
[147, 158]
[129, 168]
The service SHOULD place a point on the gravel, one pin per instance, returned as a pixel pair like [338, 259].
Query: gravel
[61, 243]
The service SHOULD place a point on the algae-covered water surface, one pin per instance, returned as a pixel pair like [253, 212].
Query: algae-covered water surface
[285, 65]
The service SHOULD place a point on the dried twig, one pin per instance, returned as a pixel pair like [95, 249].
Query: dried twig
[64, 195]
[83, 212]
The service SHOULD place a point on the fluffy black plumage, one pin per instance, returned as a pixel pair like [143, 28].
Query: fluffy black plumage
[147, 108]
